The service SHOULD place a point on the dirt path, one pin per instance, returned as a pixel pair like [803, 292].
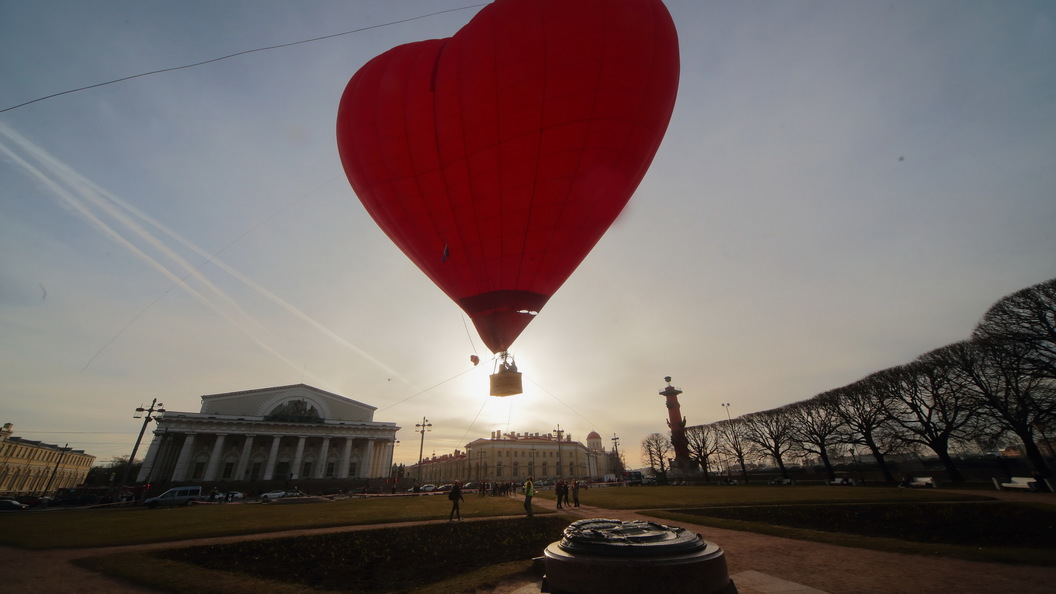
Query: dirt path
[829, 568]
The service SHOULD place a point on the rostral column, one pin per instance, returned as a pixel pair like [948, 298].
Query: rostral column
[677, 423]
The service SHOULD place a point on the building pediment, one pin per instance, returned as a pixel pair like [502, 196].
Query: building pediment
[296, 403]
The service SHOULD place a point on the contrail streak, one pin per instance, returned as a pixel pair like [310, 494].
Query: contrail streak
[116, 208]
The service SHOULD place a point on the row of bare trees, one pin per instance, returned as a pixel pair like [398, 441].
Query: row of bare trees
[998, 385]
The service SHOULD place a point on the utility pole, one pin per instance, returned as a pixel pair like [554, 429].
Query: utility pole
[558, 430]
[422, 428]
[55, 470]
[147, 418]
[616, 444]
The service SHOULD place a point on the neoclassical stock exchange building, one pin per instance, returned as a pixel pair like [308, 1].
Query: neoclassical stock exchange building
[285, 433]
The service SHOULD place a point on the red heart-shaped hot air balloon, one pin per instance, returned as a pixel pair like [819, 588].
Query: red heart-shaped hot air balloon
[497, 158]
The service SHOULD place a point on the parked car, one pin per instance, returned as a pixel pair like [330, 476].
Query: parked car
[276, 494]
[12, 505]
[175, 496]
[427, 488]
[33, 500]
[234, 496]
[445, 487]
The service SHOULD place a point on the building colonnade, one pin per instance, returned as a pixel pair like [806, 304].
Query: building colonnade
[219, 454]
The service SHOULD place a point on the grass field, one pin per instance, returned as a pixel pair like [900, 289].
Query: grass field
[83, 528]
[932, 522]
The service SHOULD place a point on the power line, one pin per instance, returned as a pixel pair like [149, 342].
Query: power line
[234, 55]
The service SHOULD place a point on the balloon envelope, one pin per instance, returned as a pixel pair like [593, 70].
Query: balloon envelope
[497, 158]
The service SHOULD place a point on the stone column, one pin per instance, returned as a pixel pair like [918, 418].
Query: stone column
[269, 467]
[346, 459]
[152, 455]
[368, 460]
[184, 459]
[295, 470]
[386, 457]
[323, 451]
[243, 460]
[214, 457]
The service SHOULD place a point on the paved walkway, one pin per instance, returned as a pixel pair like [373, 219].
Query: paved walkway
[760, 564]
[757, 563]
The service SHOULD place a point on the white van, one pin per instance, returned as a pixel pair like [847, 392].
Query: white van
[175, 496]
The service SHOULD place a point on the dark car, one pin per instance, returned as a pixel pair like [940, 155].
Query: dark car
[33, 500]
[11, 505]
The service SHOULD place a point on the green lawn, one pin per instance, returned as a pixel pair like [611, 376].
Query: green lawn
[81, 528]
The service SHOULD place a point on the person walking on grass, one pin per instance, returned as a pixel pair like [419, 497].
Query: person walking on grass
[455, 495]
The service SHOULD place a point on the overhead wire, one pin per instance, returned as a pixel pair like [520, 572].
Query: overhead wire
[235, 55]
[457, 375]
[474, 421]
[561, 402]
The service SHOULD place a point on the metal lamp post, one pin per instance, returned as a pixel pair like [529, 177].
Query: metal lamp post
[148, 415]
[422, 428]
[736, 440]
[395, 478]
[559, 432]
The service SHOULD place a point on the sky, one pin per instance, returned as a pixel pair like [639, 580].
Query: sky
[843, 187]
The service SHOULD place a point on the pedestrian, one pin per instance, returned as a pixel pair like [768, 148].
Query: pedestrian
[455, 495]
[529, 492]
[575, 493]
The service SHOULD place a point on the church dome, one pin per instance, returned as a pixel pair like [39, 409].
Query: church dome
[593, 435]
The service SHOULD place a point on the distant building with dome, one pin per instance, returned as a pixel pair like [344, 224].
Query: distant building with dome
[516, 456]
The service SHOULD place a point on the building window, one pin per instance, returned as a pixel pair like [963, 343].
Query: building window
[352, 469]
[306, 470]
[329, 470]
[199, 470]
[229, 469]
[254, 471]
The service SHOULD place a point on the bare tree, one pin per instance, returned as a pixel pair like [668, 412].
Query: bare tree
[771, 432]
[865, 418]
[926, 401]
[733, 443]
[655, 449]
[816, 426]
[703, 446]
[999, 375]
[1027, 318]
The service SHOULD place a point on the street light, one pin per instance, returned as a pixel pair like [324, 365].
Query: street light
[559, 473]
[150, 414]
[422, 428]
[395, 478]
[736, 442]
